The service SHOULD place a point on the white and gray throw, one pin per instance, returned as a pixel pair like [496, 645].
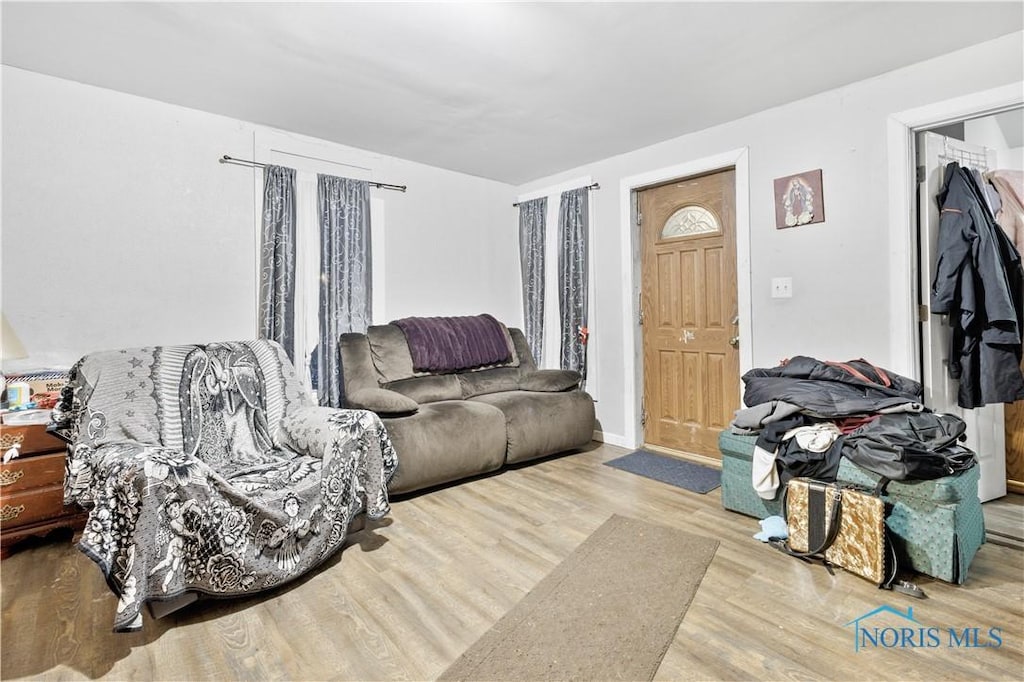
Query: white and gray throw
[209, 469]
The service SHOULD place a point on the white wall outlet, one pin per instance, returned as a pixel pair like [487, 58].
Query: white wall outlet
[782, 287]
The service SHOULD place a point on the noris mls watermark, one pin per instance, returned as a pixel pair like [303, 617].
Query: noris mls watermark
[870, 633]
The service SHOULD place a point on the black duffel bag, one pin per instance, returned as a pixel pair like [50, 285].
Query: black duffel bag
[910, 446]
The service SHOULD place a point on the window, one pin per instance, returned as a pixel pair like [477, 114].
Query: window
[310, 157]
[690, 221]
[552, 341]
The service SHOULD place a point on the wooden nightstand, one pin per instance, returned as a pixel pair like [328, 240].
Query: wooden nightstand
[32, 487]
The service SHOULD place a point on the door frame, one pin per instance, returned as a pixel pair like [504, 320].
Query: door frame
[905, 336]
[633, 367]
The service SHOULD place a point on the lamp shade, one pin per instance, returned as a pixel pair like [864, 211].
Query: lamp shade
[10, 344]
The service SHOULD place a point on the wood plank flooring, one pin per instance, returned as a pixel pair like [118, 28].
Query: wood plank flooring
[1004, 520]
[411, 595]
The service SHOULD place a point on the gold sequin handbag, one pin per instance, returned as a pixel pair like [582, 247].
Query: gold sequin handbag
[839, 526]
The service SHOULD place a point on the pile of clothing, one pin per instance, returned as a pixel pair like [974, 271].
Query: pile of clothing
[808, 414]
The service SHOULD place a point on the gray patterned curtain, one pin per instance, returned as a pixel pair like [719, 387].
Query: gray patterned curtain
[345, 295]
[277, 258]
[532, 217]
[573, 222]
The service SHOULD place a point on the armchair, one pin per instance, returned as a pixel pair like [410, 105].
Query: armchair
[207, 470]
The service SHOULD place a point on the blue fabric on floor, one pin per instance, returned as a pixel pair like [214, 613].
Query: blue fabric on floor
[671, 470]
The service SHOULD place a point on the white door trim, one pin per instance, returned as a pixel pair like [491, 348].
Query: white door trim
[632, 360]
[902, 188]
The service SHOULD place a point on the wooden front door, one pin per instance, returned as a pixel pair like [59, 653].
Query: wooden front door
[689, 304]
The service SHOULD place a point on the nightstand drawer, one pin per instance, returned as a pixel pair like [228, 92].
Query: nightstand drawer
[23, 473]
[28, 506]
[33, 438]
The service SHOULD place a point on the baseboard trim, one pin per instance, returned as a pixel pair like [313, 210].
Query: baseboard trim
[612, 439]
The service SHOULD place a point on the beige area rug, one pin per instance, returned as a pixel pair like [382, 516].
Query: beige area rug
[609, 611]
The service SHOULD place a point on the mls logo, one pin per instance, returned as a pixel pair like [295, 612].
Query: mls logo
[909, 633]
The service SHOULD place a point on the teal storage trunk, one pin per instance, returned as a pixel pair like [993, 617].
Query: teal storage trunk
[937, 526]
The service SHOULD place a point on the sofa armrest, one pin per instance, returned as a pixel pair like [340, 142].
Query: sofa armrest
[549, 380]
[381, 401]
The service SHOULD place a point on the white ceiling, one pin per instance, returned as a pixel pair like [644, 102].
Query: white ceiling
[509, 91]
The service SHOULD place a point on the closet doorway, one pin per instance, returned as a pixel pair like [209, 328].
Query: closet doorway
[992, 142]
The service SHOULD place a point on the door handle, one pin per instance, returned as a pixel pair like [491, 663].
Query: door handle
[735, 341]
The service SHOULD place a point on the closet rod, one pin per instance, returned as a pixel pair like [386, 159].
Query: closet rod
[246, 162]
[593, 186]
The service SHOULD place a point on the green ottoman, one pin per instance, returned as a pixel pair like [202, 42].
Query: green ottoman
[937, 526]
[737, 490]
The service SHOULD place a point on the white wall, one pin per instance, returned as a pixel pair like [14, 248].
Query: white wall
[840, 305]
[120, 227]
[1012, 159]
[987, 132]
[448, 252]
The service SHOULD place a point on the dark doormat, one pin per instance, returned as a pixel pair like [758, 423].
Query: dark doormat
[672, 470]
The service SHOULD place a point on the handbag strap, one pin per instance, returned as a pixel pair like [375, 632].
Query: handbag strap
[880, 486]
[832, 526]
[891, 581]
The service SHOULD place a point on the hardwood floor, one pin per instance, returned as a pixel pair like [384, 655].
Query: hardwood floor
[412, 595]
[1004, 520]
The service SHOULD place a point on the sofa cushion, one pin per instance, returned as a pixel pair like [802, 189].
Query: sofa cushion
[526, 363]
[390, 353]
[430, 389]
[549, 380]
[455, 344]
[392, 361]
[489, 381]
[381, 401]
[444, 442]
[541, 424]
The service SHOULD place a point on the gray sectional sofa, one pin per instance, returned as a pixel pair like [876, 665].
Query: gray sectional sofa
[446, 427]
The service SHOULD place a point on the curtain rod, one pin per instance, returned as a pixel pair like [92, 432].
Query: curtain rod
[593, 186]
[246, 162]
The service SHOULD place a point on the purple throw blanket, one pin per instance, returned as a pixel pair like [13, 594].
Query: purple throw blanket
[448, 344]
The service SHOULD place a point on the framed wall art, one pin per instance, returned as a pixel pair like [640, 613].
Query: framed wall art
[799, 200]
